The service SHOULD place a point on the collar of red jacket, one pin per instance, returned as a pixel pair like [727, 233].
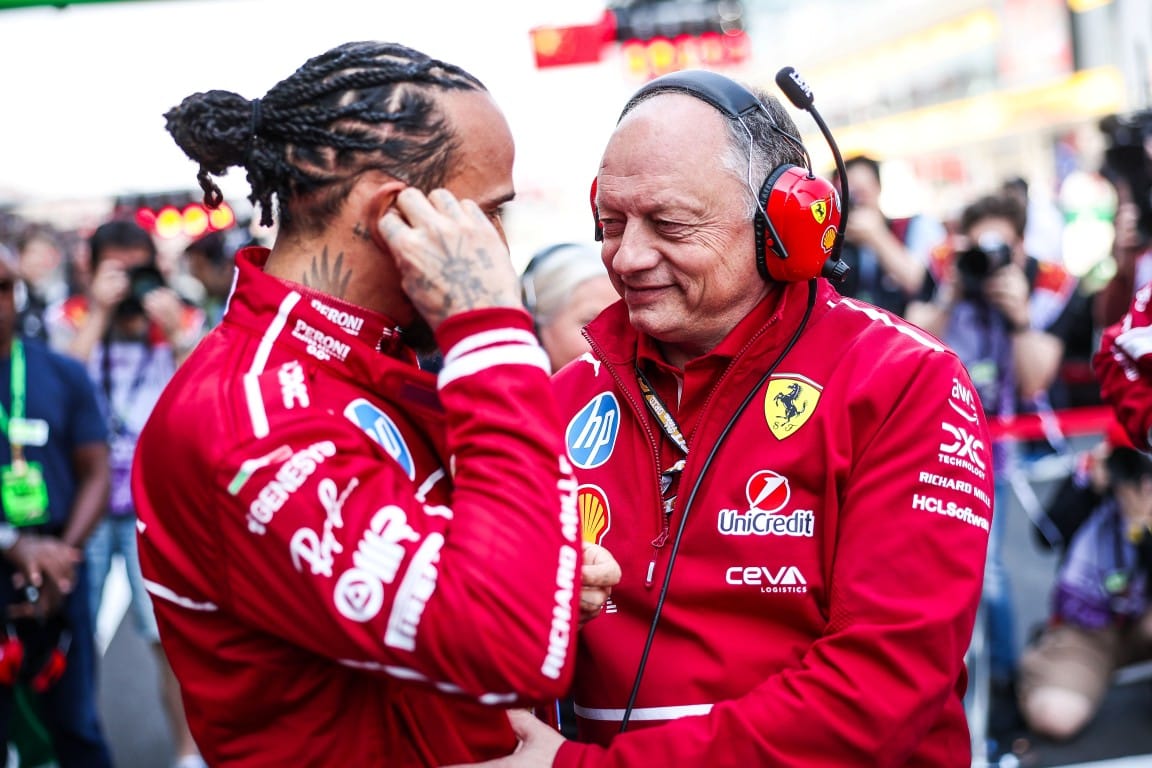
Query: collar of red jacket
[772, 321]
[322, 326]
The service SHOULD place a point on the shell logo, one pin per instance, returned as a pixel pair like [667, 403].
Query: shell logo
[828, 239]
[595, 517]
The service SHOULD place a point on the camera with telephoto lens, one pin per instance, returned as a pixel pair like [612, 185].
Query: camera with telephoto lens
[1128, 156]
[979, 260]
[141, 281]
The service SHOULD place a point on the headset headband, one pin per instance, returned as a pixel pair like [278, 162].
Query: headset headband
[724, 94]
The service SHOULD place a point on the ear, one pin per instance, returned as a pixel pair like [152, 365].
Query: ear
[378, 204]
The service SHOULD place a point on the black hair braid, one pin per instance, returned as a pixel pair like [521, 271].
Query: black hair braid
[212, 128]
[357, 107]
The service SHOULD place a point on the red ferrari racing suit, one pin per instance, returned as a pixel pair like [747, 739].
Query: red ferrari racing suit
[349, 567]
[1123, 365]
[827, 579]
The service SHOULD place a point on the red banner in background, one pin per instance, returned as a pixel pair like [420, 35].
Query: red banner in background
[1070, 422]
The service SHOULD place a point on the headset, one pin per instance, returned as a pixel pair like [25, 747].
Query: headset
[799, 220]
[40, 671]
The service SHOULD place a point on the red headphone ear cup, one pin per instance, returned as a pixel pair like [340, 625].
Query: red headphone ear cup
[805, 212]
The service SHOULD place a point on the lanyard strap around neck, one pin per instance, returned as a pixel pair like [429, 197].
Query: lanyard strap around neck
[119, 413]
[18, 387]
[670, 428]
[660, 411]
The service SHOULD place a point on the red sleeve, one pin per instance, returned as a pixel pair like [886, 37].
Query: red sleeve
[333, 545]
[1123, 366]
[906, 577]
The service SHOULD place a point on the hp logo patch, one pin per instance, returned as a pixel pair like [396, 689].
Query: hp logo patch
[591, 435]
[380, 427]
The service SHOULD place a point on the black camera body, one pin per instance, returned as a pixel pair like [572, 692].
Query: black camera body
[141, 281]
[1128, 156]
[979, 260]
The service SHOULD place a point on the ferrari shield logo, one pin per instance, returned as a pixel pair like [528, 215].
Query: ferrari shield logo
[789, 402]
[819, 210]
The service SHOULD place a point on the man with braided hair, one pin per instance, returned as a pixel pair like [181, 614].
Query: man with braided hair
[355, 562]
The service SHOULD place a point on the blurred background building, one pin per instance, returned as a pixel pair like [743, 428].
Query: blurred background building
[953, 97]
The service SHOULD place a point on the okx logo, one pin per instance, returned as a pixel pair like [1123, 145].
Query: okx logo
[591, 435]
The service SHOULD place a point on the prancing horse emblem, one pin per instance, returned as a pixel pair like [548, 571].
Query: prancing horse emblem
[789, 403]
[788, 400]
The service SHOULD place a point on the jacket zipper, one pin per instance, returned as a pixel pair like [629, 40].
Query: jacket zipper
[665, 507]
[662, 538]
[659, 542]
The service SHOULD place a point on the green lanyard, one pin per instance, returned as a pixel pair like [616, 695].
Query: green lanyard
[18, 382]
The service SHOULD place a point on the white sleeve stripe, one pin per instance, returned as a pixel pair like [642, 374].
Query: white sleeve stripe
[162, 592]
[256, 410]
[487, 339]
[1136, 342]
[643, 713]
[508, 354]
[404, 673]
[872, 313]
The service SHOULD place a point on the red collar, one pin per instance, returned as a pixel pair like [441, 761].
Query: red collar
[766, 313]
[258, 294]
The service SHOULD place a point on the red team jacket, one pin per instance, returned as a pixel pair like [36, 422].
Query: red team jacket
[827, 581]
[349, 568]
[1123, 366]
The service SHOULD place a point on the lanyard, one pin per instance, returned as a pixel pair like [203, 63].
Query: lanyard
[118, 415]
[18, 383]
[670, 428]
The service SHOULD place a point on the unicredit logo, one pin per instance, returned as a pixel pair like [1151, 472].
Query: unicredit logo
[767, 491]
[732, 522]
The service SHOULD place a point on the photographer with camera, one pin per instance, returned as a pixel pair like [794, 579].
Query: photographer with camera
[131, 331]
[1100, 602]
[1128, 166]
[887, 257]
[1009, 317]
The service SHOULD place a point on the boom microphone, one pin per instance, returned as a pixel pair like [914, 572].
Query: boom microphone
[800, 94]
[795, 88]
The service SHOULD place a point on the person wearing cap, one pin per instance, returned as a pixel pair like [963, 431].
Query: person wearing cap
[565, 287]
[1100, 619]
